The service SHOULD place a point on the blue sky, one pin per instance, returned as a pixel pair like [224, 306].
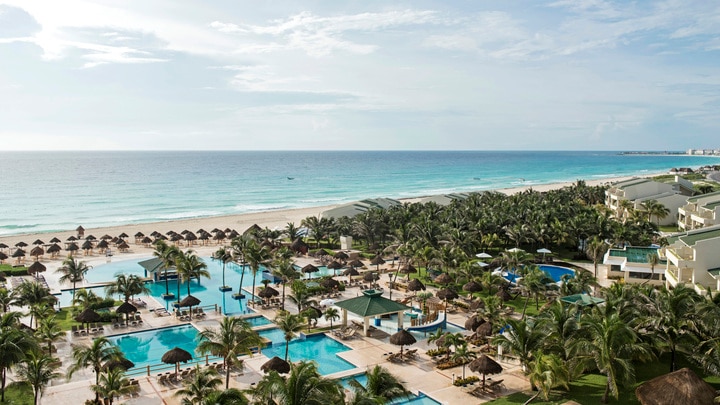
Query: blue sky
[247, 75]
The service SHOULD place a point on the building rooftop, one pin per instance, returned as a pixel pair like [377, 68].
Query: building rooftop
[697, 198]
[691, 238]
[631, 182]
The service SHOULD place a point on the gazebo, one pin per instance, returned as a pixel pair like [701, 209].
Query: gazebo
[582, 300]
[371, 304]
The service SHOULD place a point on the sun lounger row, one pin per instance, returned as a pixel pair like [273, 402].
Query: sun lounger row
[92, 328]
[133, 320]
[134, 390]
[161, 312]
[345, 333]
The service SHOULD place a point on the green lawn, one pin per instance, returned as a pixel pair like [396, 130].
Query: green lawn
[18, 394]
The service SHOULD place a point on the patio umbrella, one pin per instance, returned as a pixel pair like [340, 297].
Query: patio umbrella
[443, 279]
[176, 237]
[87, 246]
[351, 271]
[106, 237]
[37, 251]
[123, 235]
[472, 286]
[72, 248]
[189, 301]
[190, 237]
[88, 316]
[219, 236]
[36, 268]
[175, 356]
[3, 246]
[402, 338]
[408, 269]
[544, 252]
[121, 363]
[277, 364]
[341, 256]
[484, 330]
[38, 242]
[90, 237]
[123, 246]
[139, 235]
[473, 322]
[515, 250]
[309, 268]
[679, 387]
[416, 285]
[377, 260]
[370, 276]
[330, 283]
[54, 249]
[504, 295]
[227, 231]
[127, 309]
[55, 240]
[334, 265]
[184, 232]
[146, 240]
[447, 294]
[3, 257]
[485, 365]
[71, 239]
[21, 244]
[356, 263]
[299, 246]
[19, 253]
[233, 234]
[251, 230]
[268, 292]
[483, 255]
[103, 244]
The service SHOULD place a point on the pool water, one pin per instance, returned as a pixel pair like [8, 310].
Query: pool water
[258, 321]
[554, 272]
[320, 348]
[635, 254]
[147, 347]
[421, 399]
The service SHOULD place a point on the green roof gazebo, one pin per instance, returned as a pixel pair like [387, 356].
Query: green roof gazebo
[583, 300]
[371, 304]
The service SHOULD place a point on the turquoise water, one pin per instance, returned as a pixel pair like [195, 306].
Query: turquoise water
[554, 272]
[421, 399]
[147, 347]
[92, 188]
[635, 254]
[319, 348]
[258, 321]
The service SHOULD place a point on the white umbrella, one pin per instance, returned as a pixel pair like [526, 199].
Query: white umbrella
[483, 255]
[327, 302]
[544, 251]
[482, 264]
[515, 250]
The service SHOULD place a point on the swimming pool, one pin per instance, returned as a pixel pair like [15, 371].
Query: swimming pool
[413, 399]
[147, 347]
[257, 321]
[554, 272]
[320, 348]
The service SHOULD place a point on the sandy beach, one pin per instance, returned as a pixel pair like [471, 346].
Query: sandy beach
[240, 222]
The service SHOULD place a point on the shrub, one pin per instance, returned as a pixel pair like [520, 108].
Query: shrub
[437, 352]
[105, 303]
[467, 380]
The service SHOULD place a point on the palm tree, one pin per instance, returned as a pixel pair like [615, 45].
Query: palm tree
[73, 271]
[203, 382]
[128, 286]
[533, 283]
[34, 295]
[230, 396]
[167, 254]
[14, 343]
[189, 265]
[100, 351]
[111, 384]
[290, 324]
[596, 250]
[521, 338]
[38, 369]
[547, 371]
[240, 245]
[653, 260]
[48, 332]
[284, 269]
[605, 342]
[225, 256]
[255, 255]
[85, 298]
[463, 354]
[235, 337]
[381, 385]
[7, 298]
[331, 314]
[303, 386]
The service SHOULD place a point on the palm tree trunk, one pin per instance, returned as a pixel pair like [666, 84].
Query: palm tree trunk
[223, 275]
[227, 375]
[532, 398]
[287, 348]
[2, 387]
[167, 285]
[525, 307]
[282, 304]
[607, 391]
[252, 293]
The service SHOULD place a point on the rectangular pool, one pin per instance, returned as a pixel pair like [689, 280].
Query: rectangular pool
[147, 347]
[319, 348]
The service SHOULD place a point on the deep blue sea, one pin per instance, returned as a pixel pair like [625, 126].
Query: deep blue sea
[53, 191]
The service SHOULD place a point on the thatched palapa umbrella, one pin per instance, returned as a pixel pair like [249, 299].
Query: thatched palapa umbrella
[484, 330]
[447, 294]
[350, 272]
[402, 338]
[54, 249]
[473, 322]
[485, 365]
[309, 268]
[36, 268]
[504, 295]
[121, 363]
[408, 269]
[330, 283]
[88, 316]
[72, 248]
[190, 237]
[268, 292]
[416, 285]
[19, 254]
[38, 242]
[21, 244]
[276, 363]
[377, 261]
[356, 263]
[123, 235]
[55, 240]
[189, 301]
[679, 387]
[219, 236]
[37, 251]
[123, 246]
[371, 277]
[175, 356]
[3, 257]
[472, 287]
[341, 255]
[87, 246]
[443, 279]
[334, 265]
[233, 234]
[127, 309]
[147, 241]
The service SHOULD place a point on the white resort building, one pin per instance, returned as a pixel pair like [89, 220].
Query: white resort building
[700, 212]
[632, 264]
[693, 258]
[638, 190]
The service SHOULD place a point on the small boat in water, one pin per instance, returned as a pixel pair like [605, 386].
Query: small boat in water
[291, 178]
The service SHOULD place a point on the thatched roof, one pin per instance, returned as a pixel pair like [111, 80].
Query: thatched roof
[351, 272]
[334, 265]
[473, 322]
[189, 301]
[268, 292]
[679, 387]
[408, 269]
[443, 279]
[371, 276]
[504, 295]
[341, 255]
[126, 308]
[472, 286]
[356, 263]
[277, 364]
[19, 253]
[121, 363]
[176, 355]
[88, 315]
[36, 267]
[485, 365]
[309, 268]
[415, 285]
[330, 283]
[402, 338]
[447, 294]
[377, 260]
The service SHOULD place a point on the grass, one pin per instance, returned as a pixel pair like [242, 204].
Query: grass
[18, 394]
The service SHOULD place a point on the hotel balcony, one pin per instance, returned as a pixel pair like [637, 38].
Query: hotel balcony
[672, 274]
[680, 257]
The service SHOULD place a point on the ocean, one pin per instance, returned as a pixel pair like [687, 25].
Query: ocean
[56, 191]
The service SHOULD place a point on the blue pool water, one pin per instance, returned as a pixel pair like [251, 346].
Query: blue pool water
[421, 399]
[320, 348]
[554, 272]
[258, 321]
[147, 347]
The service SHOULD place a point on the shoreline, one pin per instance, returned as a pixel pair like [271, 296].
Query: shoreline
[240, 222]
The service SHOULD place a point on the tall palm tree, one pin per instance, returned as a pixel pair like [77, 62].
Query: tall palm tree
[255, 255]
[100, 351]
[331, 314]
[463, 354]
[381, 385]
[189, 265]
[240, 246]
[196, 390]
[303, 386]
[33, 294]
[73, 272]
[233, 338]
[284, 269]
[7, 298]
[547, 371]
[49, 332]
[229, 396]
[14, 343]
[112, 384]
[521, 338]
[128, 286]
[595, 250]
[653, 260]
[167, 254]
[605, 342]
[225, 256]
[38, 369]
[84, 298]
[290, 324]
[533, 283]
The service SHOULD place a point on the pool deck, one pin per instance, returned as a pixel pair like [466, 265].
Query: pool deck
[418, 374]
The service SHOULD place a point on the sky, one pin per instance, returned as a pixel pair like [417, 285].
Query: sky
[359, 75]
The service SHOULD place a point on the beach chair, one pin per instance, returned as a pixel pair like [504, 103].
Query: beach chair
[395, 358]
[75, 330]
[410, 354]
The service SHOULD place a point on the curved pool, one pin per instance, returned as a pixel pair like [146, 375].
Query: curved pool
[554, 272]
